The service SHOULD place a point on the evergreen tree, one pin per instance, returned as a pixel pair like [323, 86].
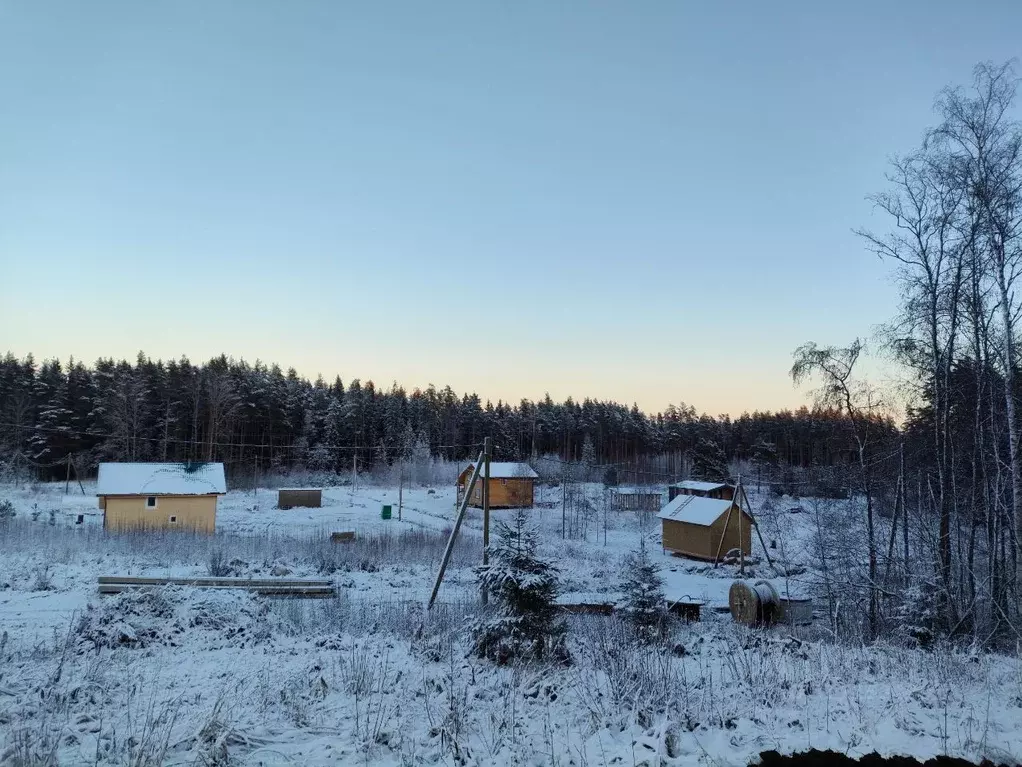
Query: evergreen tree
[709, 461]
[588, 459]
[643, 588]
[51, 438]
[524, 589]
[421, 461]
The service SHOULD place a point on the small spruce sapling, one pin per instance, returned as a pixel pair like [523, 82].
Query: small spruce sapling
[644, 603]
[523, 589]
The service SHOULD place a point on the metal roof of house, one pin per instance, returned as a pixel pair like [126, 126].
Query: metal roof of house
[695, 510]
[705, 487]
[509, 470]
[160, 479]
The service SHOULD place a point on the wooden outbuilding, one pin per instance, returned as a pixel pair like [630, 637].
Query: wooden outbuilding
[160, 496]
[635, 499]
[719, 490]
[705, 528]
[305, 497]
[512, 485]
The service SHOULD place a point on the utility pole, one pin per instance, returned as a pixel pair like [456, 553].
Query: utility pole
[487, 450]
[564, 506]
[454, 533]
[400, 488]
[741, 545]
[354, 476]
[67, 480]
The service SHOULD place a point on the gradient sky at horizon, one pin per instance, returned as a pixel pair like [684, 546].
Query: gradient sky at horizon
[647, 202]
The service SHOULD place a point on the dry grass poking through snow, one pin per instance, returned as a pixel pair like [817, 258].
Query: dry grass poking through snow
[183, 676]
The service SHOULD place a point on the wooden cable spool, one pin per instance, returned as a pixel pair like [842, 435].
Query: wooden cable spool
[754, 604]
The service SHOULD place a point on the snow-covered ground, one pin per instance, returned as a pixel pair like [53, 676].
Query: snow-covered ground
[186, 676]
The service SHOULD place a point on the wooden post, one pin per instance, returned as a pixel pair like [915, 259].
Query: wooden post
[67, 479]
[487, 451]
[755, 524]
[454, 532]
[400, 489]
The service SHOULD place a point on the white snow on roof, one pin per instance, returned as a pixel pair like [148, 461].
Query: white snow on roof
[160, 479]
[695, 510]
[691, 484]
[508, 470]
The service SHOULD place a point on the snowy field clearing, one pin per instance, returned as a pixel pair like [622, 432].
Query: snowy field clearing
[183, 676]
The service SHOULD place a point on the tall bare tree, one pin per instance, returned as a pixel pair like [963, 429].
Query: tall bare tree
[834, 367]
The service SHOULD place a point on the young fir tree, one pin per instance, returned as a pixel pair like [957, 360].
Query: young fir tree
[523, 588]
[644, 602]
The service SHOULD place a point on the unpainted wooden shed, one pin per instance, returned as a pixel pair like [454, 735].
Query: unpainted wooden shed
[305, 497]
[705, 528]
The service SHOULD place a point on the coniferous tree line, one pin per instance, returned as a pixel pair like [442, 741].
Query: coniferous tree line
[260, 418]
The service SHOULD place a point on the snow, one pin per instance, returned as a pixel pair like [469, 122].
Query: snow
[695, 510]
[160, 479]
[372, 678]
[702, 487]
[508, 470]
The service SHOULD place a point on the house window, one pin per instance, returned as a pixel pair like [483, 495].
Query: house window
[503, 482]
[173, 520]
[150, 502]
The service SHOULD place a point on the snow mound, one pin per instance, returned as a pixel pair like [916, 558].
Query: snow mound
[176, 616]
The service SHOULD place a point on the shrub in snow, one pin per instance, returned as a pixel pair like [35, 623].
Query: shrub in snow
[217, 565]
[524, 589]
[6, 510]
[162, 616]
[42, 581]
[643, 604]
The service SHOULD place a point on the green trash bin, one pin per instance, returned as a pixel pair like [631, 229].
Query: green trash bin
[385, 514]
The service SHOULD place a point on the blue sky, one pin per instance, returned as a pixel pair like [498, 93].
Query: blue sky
[648, 202]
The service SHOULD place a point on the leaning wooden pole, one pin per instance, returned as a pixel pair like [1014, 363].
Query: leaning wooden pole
[454, 532]
[720, 544]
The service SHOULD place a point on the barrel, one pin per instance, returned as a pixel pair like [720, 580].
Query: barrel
[798, 612]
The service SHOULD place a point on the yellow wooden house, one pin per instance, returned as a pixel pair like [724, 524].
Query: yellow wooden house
[160, 496]
[512, 485]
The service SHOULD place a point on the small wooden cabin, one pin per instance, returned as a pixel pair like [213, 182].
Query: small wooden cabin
[719, 490]
[305, 497]
[635, 499]
[160, 496]
[512, 485]
[705, 528]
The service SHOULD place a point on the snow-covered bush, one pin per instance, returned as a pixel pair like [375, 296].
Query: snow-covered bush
[161, 616]
[524, 589]
[6, 510]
